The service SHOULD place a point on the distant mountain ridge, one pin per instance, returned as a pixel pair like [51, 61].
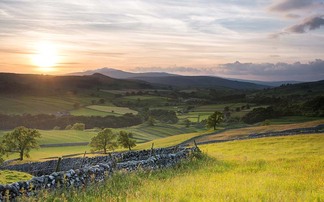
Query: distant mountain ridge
[119, 74]
[268, 83]
[202, 82]
[181, 81]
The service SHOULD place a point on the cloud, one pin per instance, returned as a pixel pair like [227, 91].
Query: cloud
[310, 71]
[288, 5]
[180, 70]
[291, 15]
[313, 70]
[307, 24]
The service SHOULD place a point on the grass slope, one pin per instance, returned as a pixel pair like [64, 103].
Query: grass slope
[142, 134]
[268, 169]
[241, 132]
[62, 136]
[9, 176]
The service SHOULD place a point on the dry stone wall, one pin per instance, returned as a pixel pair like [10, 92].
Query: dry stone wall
[90, 170]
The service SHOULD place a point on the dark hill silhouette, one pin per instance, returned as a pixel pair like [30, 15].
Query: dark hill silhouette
[177, 80]
[119, 74]
[31, 83]
[201, 82]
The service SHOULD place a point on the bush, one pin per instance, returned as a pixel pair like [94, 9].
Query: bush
[78, 126]
[68, 127]
[57, 128]
[165, 116]
[260, 114]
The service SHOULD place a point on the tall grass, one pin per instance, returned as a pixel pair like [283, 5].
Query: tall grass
[268, 169]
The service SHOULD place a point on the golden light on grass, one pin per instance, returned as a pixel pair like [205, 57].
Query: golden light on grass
[45, 57]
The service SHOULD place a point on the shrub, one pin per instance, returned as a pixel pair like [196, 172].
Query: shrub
[78, 126]
[68, 127]
[57, 128]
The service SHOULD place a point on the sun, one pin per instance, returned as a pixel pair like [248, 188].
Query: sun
[45, 57]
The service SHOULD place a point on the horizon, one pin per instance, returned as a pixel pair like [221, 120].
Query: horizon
[268, 40]
[82, 73]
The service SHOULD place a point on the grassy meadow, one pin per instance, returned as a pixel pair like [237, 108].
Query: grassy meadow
[269, 169]
[162, 135]
[242, 132]
[9, 176]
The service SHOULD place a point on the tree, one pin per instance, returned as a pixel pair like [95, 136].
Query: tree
[76, 105]
[78, 126]
[102, 101]
[151, 121]
[187, 123]
[21, 140]
[2, 152]
[126, 140]
[104, 140]
[215, 119]
[68, 127]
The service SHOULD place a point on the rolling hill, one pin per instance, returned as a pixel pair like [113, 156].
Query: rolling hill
[201, 82]
[306, 89]
[35, 84]
[180, 81]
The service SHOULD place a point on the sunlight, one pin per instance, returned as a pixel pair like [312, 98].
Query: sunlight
[45, 57]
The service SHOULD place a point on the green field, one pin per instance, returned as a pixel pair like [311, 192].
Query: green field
[170, 141]
[122, 92]
[202, 112]
[34, 105]
[8, 176]
[162, 135]
[142, 133]
[43, 154]
[102, 110]
[112, 109]
[268, 169]
[243, 132]
[89, 112]
[43, 104]
[62, 136]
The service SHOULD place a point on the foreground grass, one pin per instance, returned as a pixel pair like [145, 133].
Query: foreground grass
[268, 169]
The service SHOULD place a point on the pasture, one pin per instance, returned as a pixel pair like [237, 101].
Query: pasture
[242, 132]
[9, 176]
[268, 169]
[162, 135]
[112, 109]
[60, 140]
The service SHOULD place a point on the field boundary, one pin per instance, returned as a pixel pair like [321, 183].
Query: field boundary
[298, 131]
[64, 144]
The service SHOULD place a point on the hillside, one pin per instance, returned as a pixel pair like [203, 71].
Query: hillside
[33, 84]
[307, 88]
[202, 82]
[177, 80]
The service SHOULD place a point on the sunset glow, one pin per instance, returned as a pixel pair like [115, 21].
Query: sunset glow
[265, 37]
[45, 57]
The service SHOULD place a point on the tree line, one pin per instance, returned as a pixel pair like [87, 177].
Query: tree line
[48, 122]
[313, 108]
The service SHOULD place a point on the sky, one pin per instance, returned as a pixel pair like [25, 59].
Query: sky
[245, 39]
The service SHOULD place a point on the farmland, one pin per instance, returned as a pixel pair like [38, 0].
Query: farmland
[270, 169]
[161, 135]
